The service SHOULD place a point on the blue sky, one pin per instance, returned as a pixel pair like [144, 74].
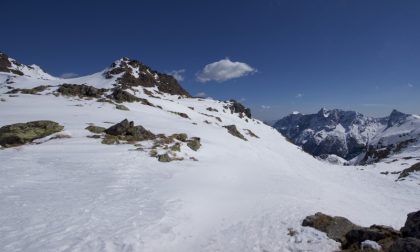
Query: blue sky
[274, 56]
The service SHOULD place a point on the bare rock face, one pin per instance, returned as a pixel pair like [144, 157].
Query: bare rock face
[236, 107]
[354, 238]
[405, 173]
[6, 65]
[133, 73]
[125, 130]
[383, 235]
[412, 225]
[81, 91]
[406, 245]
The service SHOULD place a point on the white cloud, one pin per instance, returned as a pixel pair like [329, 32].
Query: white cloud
[201, 94]
[68, 75]
[224, 70]
[299, 95]
[410, 85]
[265, 107]
[177, 74]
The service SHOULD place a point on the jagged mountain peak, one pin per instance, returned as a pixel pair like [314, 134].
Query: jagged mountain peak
[133, 73]
[347, 133]
[333, 131]
[396, 117]
[12, 66]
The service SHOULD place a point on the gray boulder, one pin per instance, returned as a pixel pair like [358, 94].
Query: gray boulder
[335, 227]
[412, 225]
[408, 244]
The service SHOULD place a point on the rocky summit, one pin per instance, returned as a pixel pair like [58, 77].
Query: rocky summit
[133, 73]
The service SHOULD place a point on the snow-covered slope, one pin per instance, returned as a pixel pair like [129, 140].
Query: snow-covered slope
[76, 194]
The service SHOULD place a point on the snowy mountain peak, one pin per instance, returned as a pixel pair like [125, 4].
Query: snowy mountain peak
[133, 73]
[396, 117]
[324, 112]
[14, 68]
[348, 134]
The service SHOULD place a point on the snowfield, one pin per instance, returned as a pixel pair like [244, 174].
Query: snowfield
[76, 194]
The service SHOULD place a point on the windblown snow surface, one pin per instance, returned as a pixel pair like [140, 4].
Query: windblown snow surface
[77, 194]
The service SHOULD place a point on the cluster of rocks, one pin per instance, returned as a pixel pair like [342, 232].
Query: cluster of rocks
[379, 152]
[31, 91]
[22, 133]
[147, 77]
[117, 95]
[236, 107]
[81, 91]
[355, 238]
[122, 132]
[164, 147]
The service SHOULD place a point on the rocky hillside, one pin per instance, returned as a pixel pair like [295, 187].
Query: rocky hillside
[125, 160]
[349, 134]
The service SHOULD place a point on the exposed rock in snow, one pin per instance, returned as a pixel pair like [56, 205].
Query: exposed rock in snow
[76, 194]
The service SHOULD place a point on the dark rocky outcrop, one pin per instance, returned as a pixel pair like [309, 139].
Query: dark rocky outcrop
[236, 107]
[6, 65]
[335, 227]
[383, 235]
[22, 133]
[32, 91]
[147, 77]
[412, 225]
[119, 95]
[408, 171]
[352, 237]
[405, 245]
[234, 131]
[81, 91]
[125, 130]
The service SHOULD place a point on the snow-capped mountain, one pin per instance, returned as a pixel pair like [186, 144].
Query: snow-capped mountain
[180, 174]
[349, 134]
[9, 65]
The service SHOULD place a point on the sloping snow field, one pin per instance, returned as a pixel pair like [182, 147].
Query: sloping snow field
[77, 194]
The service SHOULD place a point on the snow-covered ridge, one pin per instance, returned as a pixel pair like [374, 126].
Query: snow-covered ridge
[347, 134]
[15, 68]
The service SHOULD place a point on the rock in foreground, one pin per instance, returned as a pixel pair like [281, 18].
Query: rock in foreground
[22, 133]
[374, 238]
[335, 227]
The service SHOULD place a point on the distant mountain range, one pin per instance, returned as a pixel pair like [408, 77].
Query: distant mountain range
[349, 134]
